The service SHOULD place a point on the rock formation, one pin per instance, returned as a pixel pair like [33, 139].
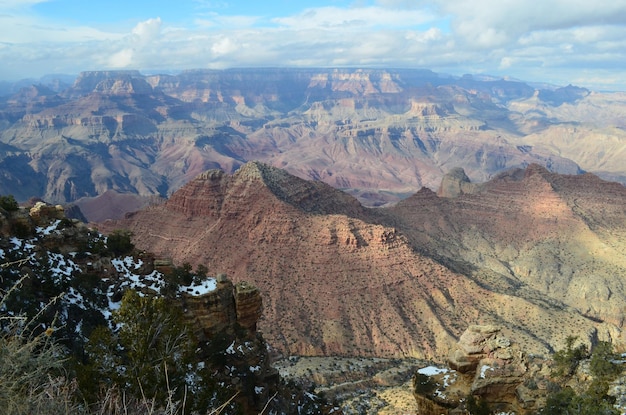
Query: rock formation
[489, 366]
[340, 279]
[379, 134]
[224, 310]
[455, 183]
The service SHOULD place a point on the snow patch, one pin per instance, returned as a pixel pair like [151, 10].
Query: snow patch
[484, 369]
[201, 288]
[432, 370]
[231, 348]
[49, 229]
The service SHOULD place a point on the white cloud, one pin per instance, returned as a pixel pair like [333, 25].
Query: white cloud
[552, 40]
[513, 18]
[344, 18]
[223, 46]
[121, 59]
[148, 30]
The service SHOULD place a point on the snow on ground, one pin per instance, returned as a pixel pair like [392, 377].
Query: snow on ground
[48, 229]
[74, 297]
[484, 369]
[432, 370]
[231, 348]
[202, 288]
[61, 267]
[155, 280]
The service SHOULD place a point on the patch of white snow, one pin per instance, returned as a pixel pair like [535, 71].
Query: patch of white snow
[432, 370]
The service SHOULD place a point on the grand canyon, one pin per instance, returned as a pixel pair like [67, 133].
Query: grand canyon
[381, 214]
[379, 135]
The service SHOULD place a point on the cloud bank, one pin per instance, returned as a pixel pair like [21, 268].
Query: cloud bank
[557, 41]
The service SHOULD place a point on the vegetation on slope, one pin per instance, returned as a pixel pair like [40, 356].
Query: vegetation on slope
[87, 326]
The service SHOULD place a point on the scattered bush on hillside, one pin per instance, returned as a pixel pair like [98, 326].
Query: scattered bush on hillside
[120, 243]
[595, 400]
[566, 361]
[8, 203]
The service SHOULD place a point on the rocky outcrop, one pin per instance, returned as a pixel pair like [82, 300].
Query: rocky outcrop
[44, 213]
[455, 183]
[476, 344]
[225, 309]
[489, 366]
[248, 306]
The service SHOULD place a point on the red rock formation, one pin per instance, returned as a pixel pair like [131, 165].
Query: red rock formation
[339, 279]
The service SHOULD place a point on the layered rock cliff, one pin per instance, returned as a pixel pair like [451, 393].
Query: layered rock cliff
[379, 134]
[530, 251]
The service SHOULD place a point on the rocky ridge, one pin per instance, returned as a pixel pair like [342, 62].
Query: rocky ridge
[406, 281]
[379, 134]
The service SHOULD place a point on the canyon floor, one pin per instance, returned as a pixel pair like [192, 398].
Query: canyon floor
[359, 385]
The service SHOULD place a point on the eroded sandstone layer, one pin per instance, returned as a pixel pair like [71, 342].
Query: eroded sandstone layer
[536, 253]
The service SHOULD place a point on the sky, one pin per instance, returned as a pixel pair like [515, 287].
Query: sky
[562, 42]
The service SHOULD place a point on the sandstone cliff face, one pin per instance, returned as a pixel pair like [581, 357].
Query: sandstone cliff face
[489, 366]
[226, 308]
[338, 279]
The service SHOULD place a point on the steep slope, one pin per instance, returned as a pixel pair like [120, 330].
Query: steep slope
[338, 279]
[560, 236]
[64, 284]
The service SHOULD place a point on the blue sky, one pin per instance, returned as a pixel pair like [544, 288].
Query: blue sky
[556, 41]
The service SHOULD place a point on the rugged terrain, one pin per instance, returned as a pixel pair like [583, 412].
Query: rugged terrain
[539, 254]
[67, 283]
[381, 135]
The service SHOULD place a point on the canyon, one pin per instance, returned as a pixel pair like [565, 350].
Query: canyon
[380, 215]
[378, 134]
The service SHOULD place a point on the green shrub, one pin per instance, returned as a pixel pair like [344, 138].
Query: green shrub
[595, 400]
[567, 360]
[602, 364]
[150, 355]
[8, 203]
[423, 384]
[119, 242]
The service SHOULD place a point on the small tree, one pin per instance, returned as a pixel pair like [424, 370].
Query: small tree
[152, 353]
[8, 203]
[567, 360]
[602, 364]
[119, 242]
